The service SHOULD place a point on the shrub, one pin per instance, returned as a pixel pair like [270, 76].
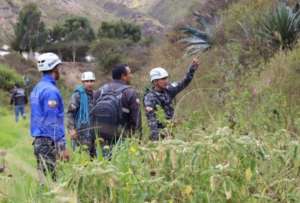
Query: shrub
[108, 52]
[120, 30]
[280, 27]
[198, 40]
[8, 77]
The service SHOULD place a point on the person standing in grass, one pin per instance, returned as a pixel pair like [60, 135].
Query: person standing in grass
[79, 118]
[19, 99]
[162, 95]
[117, 109]
[47, 116]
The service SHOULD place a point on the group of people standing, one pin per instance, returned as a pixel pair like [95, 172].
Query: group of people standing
[110, 113]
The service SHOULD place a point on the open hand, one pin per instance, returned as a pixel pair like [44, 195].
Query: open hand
[195, 64]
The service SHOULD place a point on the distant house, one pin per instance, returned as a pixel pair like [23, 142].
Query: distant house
[90, 58]
[27, 56]
[4, 50]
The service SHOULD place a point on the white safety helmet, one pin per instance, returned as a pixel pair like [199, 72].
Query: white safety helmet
[47, 61]
[158, 73]
[88, 76]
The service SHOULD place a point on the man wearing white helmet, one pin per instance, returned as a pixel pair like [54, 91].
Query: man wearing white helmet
[47, 116]
[162, 95]
[79, 118]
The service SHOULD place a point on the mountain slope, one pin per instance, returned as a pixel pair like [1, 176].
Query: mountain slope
[154, 16]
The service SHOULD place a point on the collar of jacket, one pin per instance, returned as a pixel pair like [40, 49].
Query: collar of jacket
[119, 82]
[158, 92]
[49, 78]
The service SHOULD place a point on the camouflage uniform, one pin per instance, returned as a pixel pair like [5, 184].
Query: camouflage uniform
[164, 99]
[86, 134]
[46, 152]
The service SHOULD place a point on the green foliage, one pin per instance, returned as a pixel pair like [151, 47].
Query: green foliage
[9, 77]
[197, 40]
[241, 19]
[120, 30]
[30, 31]
[221, 151]
[280, 28]
[108, 52]
[72, 36]
[221, 166]
[74, 29]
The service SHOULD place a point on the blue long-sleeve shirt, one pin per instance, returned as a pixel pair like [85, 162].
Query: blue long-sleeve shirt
[47, 111]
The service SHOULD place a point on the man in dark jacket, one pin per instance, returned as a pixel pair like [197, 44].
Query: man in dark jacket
[162, 95]
[19, 99]
[130, 121]
[79, 118]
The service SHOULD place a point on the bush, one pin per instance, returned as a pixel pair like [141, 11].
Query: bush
[241, 19]
[108, 52]
[9, 77]
[280, 28]
[120, 30]
[197, 40]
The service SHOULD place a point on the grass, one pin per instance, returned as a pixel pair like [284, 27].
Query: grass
[216, 164]
[243, 147]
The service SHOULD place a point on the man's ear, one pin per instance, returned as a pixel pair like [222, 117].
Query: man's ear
[123, 75]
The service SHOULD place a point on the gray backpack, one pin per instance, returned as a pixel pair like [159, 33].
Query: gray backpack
[108, 106]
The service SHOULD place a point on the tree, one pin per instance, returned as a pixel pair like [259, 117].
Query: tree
[30, 31]
[108, 52]
[74, 34]
[120, 30]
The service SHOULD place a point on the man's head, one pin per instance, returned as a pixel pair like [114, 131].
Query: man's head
[48, 64]
[159, 78]
[122, 72]
[17, 85]
[88, 80]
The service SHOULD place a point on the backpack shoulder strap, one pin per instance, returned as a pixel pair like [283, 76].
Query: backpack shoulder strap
[121, 89]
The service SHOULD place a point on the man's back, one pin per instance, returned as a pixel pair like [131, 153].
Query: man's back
[47, 112]
[18, 97]
[129, 103]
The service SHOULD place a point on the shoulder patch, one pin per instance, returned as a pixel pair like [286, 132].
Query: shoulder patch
[149, 109]
[52, 103]
[174, 84]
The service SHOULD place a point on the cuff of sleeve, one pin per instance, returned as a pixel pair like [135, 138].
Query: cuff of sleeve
[191, 69]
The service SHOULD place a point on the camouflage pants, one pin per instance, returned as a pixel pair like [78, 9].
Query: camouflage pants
[45, 153]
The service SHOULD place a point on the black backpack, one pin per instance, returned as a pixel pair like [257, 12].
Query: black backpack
[108, 106]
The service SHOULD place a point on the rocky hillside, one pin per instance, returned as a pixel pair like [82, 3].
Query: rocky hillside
[153, 15]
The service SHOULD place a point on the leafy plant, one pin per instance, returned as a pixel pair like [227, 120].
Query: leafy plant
[280, 27]
[8, 77]
[197, 40]
[120, 30]
[108, 52]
